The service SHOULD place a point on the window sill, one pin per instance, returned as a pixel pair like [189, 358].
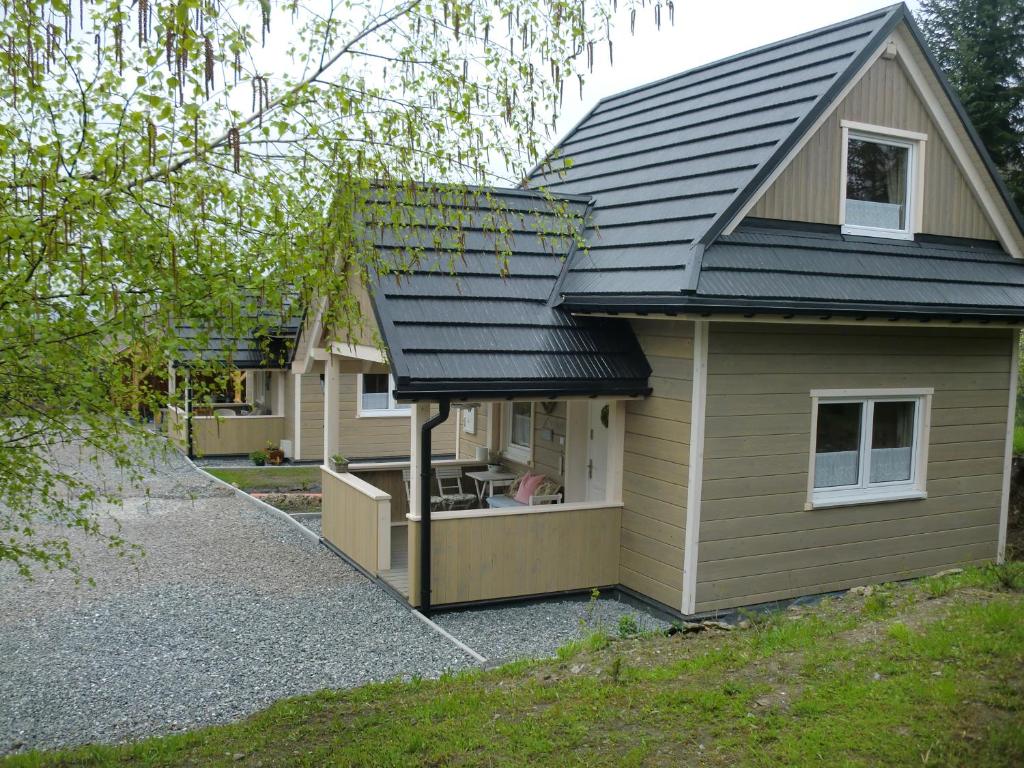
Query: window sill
[889, 234]
[518, 456]
[389, 414]
[865, 497]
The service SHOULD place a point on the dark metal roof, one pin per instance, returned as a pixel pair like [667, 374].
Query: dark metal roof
[657, 173]
[670, 164]
[477, 322]
[666, 163]
[269, 347]
[772, 267]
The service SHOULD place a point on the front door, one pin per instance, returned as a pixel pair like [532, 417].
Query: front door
[597, 449]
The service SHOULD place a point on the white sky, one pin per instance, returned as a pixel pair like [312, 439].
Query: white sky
[704, 31]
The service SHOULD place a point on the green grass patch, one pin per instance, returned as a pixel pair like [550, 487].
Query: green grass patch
[270, 479]
[1018, 440]
[925, 675]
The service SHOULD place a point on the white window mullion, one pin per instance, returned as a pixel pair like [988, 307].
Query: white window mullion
[868, 413]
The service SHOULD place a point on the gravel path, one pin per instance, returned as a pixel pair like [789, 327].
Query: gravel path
[539, 629]
[231, 609]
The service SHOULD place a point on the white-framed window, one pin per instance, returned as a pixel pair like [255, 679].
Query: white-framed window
[868, 445]
[518, 431]
[882, 181]
[374, 396]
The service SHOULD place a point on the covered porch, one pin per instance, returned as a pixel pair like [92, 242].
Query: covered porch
[445, 532]
[244, 413]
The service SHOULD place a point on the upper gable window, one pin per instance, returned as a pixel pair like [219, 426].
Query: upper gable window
[881, 181]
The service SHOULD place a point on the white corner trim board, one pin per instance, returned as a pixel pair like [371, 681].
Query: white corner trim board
[696, 465]
[1004, 501]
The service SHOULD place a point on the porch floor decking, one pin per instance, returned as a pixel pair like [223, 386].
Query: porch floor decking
[398, 575]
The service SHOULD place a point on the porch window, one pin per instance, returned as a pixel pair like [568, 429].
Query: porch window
[868, 446]
[880, 171]
[519, 432]
[375, 396]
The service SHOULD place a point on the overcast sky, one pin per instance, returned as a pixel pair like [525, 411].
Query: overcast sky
[705, 30]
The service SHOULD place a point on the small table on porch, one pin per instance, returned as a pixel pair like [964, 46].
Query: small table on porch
[488, 478]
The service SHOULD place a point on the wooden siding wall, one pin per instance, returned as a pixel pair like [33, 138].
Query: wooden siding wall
[376, 437]
[390, 481]
[350, 519]
[809, 189]
[756, 541]
[469, 443]
[503, 556]
[655, 465]
[289, 410]
[547, 454]
[235, 435]
[312, 413]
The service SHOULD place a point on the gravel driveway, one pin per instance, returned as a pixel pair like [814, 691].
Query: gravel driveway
[231, 609]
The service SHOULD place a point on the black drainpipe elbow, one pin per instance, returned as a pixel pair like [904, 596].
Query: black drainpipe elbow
[444, 409]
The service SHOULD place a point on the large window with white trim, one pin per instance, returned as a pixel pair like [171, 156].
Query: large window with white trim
[881, 176]
[868, 446]
[375, 396]
[518, 431]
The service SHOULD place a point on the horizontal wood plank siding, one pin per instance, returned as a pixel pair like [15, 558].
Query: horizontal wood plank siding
[290, 392]
[809, 189]
[488, 558]
[312, 413]
[654, 476]
[375, 437]
[547, 452]
[468, 443]
[757, 543]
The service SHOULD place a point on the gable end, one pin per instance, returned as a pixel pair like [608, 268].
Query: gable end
[961, 198]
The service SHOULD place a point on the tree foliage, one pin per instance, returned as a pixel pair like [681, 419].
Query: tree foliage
[980, 46]
[200, 161]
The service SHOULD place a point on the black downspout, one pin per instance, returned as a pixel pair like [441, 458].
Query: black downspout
[444, 408]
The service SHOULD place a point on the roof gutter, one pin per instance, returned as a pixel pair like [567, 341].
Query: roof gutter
[688, 304]
[504, 390]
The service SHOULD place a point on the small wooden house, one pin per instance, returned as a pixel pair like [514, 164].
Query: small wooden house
[776, 356]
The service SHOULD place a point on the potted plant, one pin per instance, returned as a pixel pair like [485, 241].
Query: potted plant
[274, 454]
[259, 458]
[494, 461]
[339, 462]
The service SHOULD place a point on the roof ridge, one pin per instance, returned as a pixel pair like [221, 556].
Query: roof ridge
[835, 26]
[553, 152]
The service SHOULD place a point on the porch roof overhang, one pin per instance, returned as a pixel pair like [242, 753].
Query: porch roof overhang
[487, 330]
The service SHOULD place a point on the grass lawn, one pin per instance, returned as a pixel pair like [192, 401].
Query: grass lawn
[1018, 440]
[271, 479]
[928, 673]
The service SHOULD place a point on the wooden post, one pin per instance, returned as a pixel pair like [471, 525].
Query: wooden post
[297, 414]
[332, 440]
[616, 449]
